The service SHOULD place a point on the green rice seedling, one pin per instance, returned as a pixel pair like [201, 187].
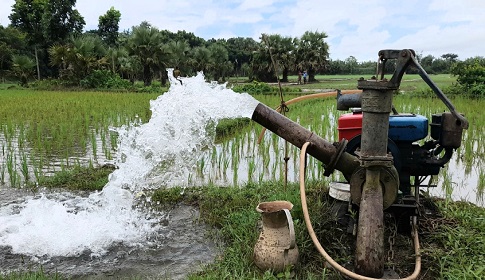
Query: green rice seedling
[201, 166]
[94, 145]
[190, 180]
[235, 178]
[235, 153]
[2, 172]
[266, 161]
[62, 126]
[261, 177]
[12, 172]
[481, 186]
[214, 156]
[225, 165]
[251, 169]
[24, 167]
[447, 184]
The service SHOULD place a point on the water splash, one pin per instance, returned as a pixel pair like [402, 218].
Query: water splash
[159, 153]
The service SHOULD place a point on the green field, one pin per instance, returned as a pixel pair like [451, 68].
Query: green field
[409, 82]
[40, 125]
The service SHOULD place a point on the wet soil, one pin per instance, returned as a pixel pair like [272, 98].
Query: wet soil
[182, 246]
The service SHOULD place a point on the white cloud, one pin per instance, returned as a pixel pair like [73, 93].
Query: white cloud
[354, 27]
[255, 4]
[5, 10]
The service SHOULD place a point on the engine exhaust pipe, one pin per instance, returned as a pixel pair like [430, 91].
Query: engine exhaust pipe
[297, 135]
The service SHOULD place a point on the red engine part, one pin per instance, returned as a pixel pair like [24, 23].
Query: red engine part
[349, 125]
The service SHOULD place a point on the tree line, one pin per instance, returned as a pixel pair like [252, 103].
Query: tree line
[46, 37]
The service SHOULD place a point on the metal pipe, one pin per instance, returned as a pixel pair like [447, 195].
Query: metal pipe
[376, 106]
[297, 135]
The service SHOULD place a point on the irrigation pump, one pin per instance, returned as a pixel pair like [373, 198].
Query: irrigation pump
[378, 155]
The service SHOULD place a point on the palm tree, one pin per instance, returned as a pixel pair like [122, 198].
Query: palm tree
[23, 68]
[79, 58]
[146, 43]
[88, 53]
[312, 53]
[261, 65]
[201, 59]
[179, 51]
[283, 51]
[219, 57]
[114, 55]
[58, 55]
[130, 66]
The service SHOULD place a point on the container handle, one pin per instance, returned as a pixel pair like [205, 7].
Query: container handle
[291, 228]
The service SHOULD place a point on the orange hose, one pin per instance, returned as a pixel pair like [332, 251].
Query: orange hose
[307, 97]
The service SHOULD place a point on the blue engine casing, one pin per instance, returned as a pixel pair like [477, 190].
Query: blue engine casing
[407, 127]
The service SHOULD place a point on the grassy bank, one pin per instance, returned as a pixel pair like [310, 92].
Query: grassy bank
[451, 233]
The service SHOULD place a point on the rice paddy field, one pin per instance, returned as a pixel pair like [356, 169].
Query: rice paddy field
[43, 132]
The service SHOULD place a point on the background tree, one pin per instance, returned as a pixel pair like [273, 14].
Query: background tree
[179, 55]
[146, 44]
[219, 57]
[130, 67]
[335, 67]
[59, 56]
[6, 53]
[470, 76]
[77, 59]
[450, 59]
[12, 41]
[312, 53]
[351, 64]
[427, 63]
[283, 51]
[201, 59]
[261, 65]
[108, 26]
[60, 20]
[183, 36]
[23, 66]
[27, 16]
[114, 55]
[240, 51]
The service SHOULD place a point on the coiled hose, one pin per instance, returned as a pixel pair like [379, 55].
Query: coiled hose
[332, 262]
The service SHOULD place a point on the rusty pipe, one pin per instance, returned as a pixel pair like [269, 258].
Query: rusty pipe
[297, 135]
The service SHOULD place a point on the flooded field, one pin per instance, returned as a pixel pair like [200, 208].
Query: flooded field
[169, 149]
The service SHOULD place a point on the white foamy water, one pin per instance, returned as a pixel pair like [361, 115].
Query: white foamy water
[160, 153]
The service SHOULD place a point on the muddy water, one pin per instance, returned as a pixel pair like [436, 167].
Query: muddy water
[178, 247]
[113, 232]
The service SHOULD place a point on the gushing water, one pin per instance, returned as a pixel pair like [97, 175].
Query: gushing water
[160, 153]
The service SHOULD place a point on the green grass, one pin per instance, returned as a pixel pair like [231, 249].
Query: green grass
[31, 275]
[231, 212]
[227, 128]
[452, 238]
[79, 178]
[410, 82]
[455, 243]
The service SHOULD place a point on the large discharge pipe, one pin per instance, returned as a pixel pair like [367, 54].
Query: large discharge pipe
[297, 135]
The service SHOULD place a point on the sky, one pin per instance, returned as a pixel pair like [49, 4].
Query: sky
[354, 27]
